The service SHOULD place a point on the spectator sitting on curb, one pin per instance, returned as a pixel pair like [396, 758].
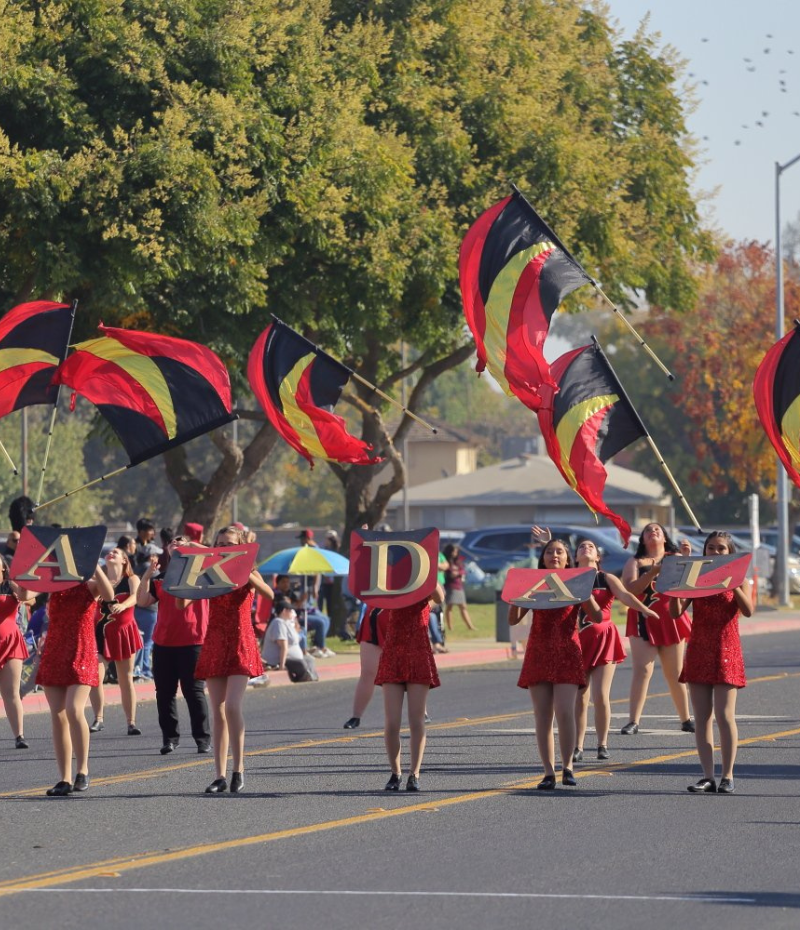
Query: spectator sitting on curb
[282, 644]
[315, 622]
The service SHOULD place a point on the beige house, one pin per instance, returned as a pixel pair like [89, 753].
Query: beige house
[431, 456]
[525, 489]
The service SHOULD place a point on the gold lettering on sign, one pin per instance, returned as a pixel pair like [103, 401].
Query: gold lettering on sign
[561, 593]
[65, 562]
[691, 574]
[194, 570]
[379, 567]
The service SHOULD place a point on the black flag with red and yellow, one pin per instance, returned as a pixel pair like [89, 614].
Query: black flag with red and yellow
[298, 385]
[156, 392]
[776, 390]
[586, 423]
[33, 342]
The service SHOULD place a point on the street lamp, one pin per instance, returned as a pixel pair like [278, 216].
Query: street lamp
[782, 549]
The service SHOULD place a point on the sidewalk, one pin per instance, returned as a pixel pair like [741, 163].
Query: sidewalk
[462, 654]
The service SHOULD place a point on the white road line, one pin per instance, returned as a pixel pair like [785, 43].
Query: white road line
[698, 898]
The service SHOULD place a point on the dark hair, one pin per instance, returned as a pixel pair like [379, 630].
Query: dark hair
[144, 524]
[720, 534]
[449, 550]
[124, 541]
[167, 534]
[280, 604]
[669, 545]
[585, 539]
[280, 578]
[547, 545]
[20, 512]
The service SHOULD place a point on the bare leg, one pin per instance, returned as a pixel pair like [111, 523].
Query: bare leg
[219, 728]
[466, 617]
[542, 697]
[417, 698]
[643, 657]
[671, 665]
[234, 698]
[725, 713]
[564, 705]
[126, 690]
[393, 710]
[10, 675]
[582, 712]
[601, 678]
[97, 696]
[448, 616]
[75, 707]
[62, 745]
[365, 686]
[702, 701]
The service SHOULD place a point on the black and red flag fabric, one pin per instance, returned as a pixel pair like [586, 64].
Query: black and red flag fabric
[156, 392]
[514, 272]
[33, 342]
[588, 421]
[298, 385]
[393, 569]
[776, 390]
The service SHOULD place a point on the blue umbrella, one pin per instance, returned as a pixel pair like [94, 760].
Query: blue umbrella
[305, 560]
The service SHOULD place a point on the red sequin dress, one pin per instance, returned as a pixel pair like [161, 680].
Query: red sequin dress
[600, 642]
[122, 636]
[12, 643]
[714, 653]
[553, 653]
[407, 657]
[70, 649]
[662, 631]
[230, 646]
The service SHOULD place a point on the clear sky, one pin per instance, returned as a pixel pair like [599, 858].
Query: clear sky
[738, 52]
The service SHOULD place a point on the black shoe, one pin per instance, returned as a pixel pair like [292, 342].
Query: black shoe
[133, 730]
[59, 790]
[170, 745]
[413, 783]
[19, 742]
[203, 746]
[687, 726]
[96, 726]
[393, 784]
[352, 723]
[577, 755]
[548, 783]
[567, 778]
[81, 782]
[725, 786]
[217, 786]
[237, 782]
[630, 729]
[428, 718]
[602, 752]
[704, 786]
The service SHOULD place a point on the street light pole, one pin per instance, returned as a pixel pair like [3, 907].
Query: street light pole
[782, 548]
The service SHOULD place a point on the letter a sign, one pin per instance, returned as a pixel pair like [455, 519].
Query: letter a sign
[195, 572]
[393, 569]
[546, 588]
[50, 559]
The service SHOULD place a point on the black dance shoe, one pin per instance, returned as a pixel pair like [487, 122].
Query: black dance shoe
[602, 752]
[217, 786]
[237, 782]
[548, 783]
[567, 778]
[81, 782]
[20, 743]
[96, 726]
[725, 786]
[59, 790]
[133, 730]
[630, 729]
[170, 745]
[393, 784]
[704, 786]
[577, 755]
[352, 723]
[687, 726]
[413, 783]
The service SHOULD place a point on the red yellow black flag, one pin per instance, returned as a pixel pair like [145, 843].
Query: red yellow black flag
[776, 390]
[298, 385]
[588, 421]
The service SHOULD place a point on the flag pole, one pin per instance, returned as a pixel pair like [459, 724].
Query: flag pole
[635, 334]
[55, 406]
[651, 443]
[10, 460]
[83, 487]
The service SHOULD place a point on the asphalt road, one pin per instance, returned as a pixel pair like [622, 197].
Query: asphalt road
[315, 841]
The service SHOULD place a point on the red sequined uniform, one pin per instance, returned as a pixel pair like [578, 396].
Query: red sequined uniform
[714, 653]
[12, 643]
[553, 653]
[230, 646]
[600, 642]
[122, 636]
[70, 649]
[662, 631]
[407, 657]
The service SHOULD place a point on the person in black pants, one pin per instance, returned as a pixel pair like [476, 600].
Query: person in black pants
[177, 638]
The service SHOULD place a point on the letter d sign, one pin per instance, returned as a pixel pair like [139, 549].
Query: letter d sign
[393, 569]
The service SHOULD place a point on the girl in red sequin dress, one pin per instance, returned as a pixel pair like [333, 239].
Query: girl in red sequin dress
[407, 666]
[13, 651]
[230, 657]
[118, 639]
[663, 638]
[552, 670]
[67, 671]
[714, 670]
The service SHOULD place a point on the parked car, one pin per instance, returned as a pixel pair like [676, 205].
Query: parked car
[494, 547]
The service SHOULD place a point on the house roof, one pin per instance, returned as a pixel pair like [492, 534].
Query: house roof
[529, 479]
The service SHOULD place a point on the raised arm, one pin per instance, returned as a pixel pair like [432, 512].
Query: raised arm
[257, 582]
[100, 586]
[144, 597]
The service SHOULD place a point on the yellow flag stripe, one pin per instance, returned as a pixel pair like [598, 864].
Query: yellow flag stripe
[299, 422]
[571, 423]
[142, 369]
[790, 430]
[498, 310]
[10, 358]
